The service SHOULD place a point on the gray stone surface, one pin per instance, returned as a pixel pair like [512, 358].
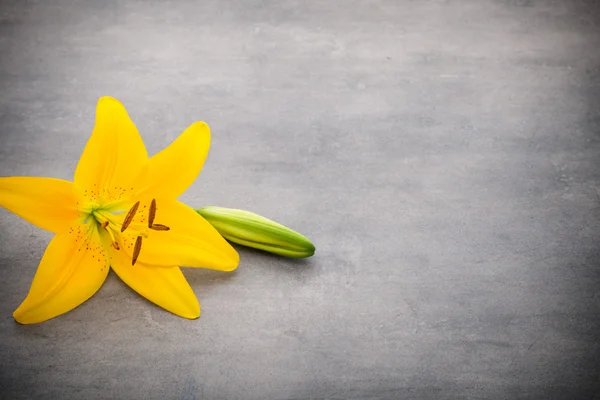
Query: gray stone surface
[442, 155]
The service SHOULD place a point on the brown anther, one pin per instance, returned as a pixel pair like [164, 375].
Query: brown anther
[104, 224]
[160, 227]
[136, 249]
[129, 216]
[116, 245]
[151, 213]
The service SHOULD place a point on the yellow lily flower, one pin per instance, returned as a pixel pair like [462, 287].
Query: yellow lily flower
[119, 212]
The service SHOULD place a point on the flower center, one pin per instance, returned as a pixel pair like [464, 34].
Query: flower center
[109, 220]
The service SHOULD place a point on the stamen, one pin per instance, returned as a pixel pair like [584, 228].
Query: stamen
[112, 236]
[104, 224]
[151, 213]
[160, 227]
[136, 249]
[116, 245]
[129, 216]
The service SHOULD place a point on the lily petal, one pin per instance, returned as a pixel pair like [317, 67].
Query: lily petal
[176, 167]
[114, 155]
[190, 241]
[165, 287]
[45, 202]
[72, 269]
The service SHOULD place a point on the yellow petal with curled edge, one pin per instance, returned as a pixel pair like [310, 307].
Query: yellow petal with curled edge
[45, 202]
[72, 269]
[175, 168]
[115, 154]
[164, 286]
[190, 241]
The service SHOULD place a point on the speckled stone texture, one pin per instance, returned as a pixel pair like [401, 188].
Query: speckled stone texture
[444, 157]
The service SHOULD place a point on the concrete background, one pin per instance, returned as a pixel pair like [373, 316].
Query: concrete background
[442, 155]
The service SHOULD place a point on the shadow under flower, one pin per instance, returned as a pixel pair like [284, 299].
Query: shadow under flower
[250, 259]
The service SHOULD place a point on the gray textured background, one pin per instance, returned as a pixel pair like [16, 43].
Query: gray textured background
[442, 155]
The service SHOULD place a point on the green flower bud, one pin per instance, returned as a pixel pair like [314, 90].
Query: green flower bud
[252, 230]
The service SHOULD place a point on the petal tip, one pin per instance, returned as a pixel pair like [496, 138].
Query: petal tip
[20, 316]
[192, 316]
[193, 312]
[232, 260]
[230, 267]
[108, 99]
[200, 125]
[199, 129]
[108, 104]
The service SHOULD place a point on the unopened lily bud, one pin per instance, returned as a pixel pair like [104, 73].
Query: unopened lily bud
[252, 230]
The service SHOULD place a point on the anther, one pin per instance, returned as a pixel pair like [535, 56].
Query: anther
[104, 224]
[129, 216]
[151, 213]
[136, 250]
[116, 245]
[160, 227]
